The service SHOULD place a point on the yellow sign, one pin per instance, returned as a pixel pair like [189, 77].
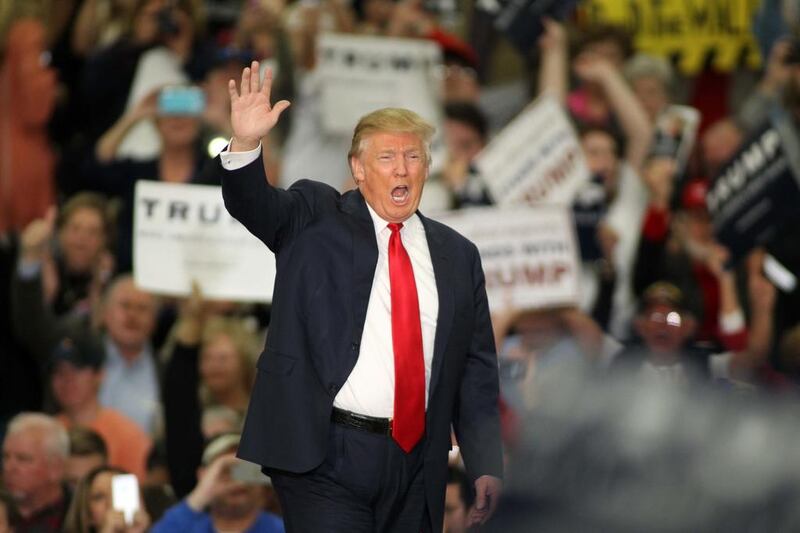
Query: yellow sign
[689, 29]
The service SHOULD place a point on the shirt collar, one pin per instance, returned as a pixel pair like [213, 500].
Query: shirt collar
[412, 225]
[114, 357]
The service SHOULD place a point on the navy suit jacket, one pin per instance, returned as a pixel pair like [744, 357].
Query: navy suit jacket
[326, 252]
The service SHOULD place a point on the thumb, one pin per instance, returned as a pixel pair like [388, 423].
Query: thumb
[280, 107]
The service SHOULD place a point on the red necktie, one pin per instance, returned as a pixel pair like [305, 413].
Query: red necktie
[408, 423]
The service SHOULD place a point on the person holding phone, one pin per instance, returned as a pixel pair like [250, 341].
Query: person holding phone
[97, 509]
[177, 113]
[227, 497]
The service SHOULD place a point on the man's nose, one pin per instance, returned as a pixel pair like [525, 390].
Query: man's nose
[401, 169]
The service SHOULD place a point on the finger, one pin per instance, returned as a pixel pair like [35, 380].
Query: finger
[234, 94]
[475, 517]
[254, 81]
[279, 108]
[50, 217]
[196, 293]
[480, 497]
[266, 87]
[245, 87]
[493, 499]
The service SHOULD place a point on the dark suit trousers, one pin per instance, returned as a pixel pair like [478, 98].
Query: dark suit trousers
[366, 484]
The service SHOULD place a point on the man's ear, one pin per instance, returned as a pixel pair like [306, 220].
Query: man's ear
[357, 169]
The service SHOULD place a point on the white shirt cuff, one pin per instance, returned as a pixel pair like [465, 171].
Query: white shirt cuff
[236, 160]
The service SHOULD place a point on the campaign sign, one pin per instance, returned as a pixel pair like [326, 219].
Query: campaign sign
[754, 194]
[183, 233]
[363, 73]
[529, 255]
[537, 158]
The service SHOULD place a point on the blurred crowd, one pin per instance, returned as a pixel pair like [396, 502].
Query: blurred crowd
[99, 378]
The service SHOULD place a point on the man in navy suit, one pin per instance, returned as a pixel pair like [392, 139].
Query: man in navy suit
[380, 338]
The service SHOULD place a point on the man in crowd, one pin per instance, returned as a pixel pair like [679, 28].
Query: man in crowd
[458, 501]
[130, 384]
[223, 499]
[87, 451]
[34, 452]
[75, 377]
[378, 313]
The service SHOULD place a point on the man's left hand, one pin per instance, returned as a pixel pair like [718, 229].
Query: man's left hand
[487, 493]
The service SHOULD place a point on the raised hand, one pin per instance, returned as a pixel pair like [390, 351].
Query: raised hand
[252, 115]
[37, 235]
[593, 68]
[554, 36]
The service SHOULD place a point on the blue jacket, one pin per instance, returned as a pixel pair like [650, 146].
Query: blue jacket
[181, 517]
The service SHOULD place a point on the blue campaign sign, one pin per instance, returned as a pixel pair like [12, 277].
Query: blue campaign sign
[756, 193]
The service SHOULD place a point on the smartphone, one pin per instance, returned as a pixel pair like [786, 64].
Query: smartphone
[246, 472]
[779, 275]
[181, 100]
[125, 495]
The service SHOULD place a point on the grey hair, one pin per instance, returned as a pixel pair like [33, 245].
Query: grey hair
[55, 437]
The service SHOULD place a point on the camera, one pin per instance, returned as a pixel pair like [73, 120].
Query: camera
[181, 101]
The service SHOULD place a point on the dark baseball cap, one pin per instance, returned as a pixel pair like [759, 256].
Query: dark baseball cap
[81, 350]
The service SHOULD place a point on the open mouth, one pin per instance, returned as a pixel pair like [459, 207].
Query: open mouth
[400, 194]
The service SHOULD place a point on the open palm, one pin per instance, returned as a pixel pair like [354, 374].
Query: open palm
[252, 115]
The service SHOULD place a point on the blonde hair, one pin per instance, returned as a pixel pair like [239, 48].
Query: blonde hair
[391, 120]
[246, 342]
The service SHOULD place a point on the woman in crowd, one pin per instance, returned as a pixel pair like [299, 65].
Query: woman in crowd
[63, 268]
[91, 509]
[214, 355]
[180, 160]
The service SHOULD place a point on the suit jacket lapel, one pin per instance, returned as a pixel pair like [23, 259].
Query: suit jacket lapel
[442, 270]
[365, 259]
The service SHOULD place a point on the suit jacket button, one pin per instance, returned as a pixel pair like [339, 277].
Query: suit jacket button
[333, 388]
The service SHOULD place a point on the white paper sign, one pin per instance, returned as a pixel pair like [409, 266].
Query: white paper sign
[537, 158]
[529, 254]
[361, 74]
[183, 232]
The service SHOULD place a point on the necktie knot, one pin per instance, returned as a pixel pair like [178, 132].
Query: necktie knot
[395, 226]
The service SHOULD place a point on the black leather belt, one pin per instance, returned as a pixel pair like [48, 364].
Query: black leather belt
[381, 426]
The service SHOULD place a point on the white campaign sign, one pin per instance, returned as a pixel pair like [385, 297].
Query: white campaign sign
[183, 232]
[537, 158]
[529, 254]
[361, 74]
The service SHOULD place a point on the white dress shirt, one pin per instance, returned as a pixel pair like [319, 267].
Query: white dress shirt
[369, 389]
